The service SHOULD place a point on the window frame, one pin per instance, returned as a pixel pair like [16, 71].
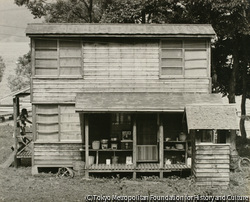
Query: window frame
[57, 59]
[184, 49]
[59, 123]
[182, 58]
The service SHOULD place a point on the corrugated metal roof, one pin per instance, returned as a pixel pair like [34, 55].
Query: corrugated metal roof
[204, 30]
[140, 102]
[211, 117]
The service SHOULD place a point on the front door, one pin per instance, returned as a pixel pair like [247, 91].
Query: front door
[147, 149]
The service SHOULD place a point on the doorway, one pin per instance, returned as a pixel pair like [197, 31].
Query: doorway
[147, 148]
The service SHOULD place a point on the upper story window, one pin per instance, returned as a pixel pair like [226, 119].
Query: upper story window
[57, 58]
[184, 58]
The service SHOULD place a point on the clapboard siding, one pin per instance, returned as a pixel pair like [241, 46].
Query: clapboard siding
[65, 90]
[57, 154]
[116, 65]
[211, 164]
[120, 60]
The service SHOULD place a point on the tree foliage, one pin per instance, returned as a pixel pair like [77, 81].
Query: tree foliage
[66, 11]
[2, 68]
[21, 79]
[144, 11]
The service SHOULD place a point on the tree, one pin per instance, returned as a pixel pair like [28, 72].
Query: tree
[62, 11]
[230, 58]
[2, 68]
[144, 11]
[21, 79]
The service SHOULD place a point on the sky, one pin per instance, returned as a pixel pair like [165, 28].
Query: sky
[13, 21]
[13, 42]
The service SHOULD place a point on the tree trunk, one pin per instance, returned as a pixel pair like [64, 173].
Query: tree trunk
[143, 15]
[231, 99]
[232, 82]
[243, 104]
[90, 9]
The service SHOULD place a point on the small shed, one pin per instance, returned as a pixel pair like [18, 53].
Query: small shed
[210, 127]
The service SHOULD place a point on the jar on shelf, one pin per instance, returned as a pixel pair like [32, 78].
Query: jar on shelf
[182, 136]
[104, 143]
[115, 159]
[96, 144]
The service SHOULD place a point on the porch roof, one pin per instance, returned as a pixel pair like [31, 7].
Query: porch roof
[93, 102]
[221, 117]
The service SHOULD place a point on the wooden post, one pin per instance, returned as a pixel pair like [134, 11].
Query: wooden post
[161, 145]
[17, 106]
[34, 137]
[59, 123]
[193, 144]
[134, 147]
[186, 149]
[16, 130]
[228, 140]
[86, 119]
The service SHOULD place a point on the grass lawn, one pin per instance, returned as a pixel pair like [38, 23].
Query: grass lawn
[19, 185]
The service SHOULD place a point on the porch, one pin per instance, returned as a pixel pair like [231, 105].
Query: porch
[138, 132]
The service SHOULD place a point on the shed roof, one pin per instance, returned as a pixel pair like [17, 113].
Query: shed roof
[18, 93]
[221, 117]
[140, 102]
[123, 30]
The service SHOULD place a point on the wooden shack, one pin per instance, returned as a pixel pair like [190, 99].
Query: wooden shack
[114, 95]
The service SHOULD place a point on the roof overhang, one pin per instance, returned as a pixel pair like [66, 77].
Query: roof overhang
[20, 93]
[120, 30]
[97, 102]
[213, 116]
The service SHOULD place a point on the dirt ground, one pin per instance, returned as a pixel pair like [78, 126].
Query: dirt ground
[19, 185]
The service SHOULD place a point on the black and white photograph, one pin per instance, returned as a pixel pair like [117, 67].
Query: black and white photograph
[124, 100]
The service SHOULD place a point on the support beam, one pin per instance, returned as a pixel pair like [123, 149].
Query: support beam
[16, 129]
[86, 127]
[161, 174]
[134, 146]
[34, 137]
[161, 142]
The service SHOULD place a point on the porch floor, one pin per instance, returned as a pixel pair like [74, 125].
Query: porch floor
[143, 167]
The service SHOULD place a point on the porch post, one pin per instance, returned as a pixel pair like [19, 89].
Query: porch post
[86, 127]
[134, 147]
[16, 130]
[161, 145]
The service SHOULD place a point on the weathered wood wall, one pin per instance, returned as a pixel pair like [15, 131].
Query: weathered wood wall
[57, 155]
[64, 68]
[211, 164]
[57, 123]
